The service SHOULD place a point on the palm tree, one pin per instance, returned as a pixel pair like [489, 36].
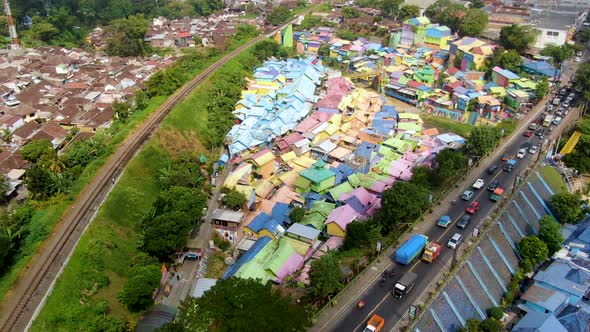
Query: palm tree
[6, 135]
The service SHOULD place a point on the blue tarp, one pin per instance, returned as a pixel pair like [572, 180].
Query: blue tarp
[245, 258]
[411, 249]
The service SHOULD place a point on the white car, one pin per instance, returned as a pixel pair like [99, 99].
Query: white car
[534, 149]
[521, 153]
[577, 59]
[557, 120]
[454, 241]
[478, 184]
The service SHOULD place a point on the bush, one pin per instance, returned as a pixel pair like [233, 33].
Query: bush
[296, 215]
[234, 200]
[137, 290]
[496, 313]
[490, 325]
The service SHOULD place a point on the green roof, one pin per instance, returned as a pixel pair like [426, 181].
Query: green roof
[340, 189]
[279, 257]
[413, 116]
[410, 126]
[361, 180]
[315, 220]
[317, 174]
[322, 207]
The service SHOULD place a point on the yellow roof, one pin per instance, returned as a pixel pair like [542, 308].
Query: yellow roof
[233, 178]
[288, 156]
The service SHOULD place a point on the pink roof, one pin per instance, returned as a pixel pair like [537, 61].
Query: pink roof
[288, 140]
[329, 101]
[260, 154]
[339, 86]
[342, 216]
[183, 35]
[357, 48]
[306, 125]
[362, 194]
[291, 266]
[379, 186]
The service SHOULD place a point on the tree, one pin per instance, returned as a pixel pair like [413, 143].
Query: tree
[181, 199]
[482, 140]
[402, 204]
[471, 325]
[391, 8]
[125, 36]
[234, 200]
[5, 252]
[164, 234]
[517, 37]
[408, 11]
[349, 12]
[41, 31]
[582, 80]
[477, 4]
[137, 290]
[361, 234]
[474, 23]
[108, 323]
[122, 109]
[558, 54]
[510, 59]
[449, 165]
[495, 313]
[550, 233]
[140, 100]
[39, 182]
[533, 250]
[36, 149]
[296, 215]
[567, 207]
[434, 11]
[452, 16]
[324, 50]
[237, 304]
[421, 176]
[490, 325]
[278, 16]
[542, 87]
[325, 276]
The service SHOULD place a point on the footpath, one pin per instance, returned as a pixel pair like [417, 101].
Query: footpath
[347, 299]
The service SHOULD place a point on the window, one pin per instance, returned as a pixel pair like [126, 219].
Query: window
[552, 33]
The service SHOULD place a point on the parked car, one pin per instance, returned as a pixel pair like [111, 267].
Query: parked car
[525, 145]
[528, 133]
[467, 195]
[540, 133]
[464, 222]
[557, 120]
[534, 149]
[533, 126]
[472, 208]
[493, 185]
[521, 153]
[454, 241]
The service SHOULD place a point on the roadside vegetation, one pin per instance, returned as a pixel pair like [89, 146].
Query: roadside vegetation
[150, 211]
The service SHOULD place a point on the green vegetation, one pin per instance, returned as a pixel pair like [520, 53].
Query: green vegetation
[143, 277]
[567, 207]
[579, 158]
[553, 178]
[278, 15]
[447, 125]
[517, 37]
[473, 23]
[559, 54]
[533, 252]
[402, 204]
[468, 22]
[550, 233]
[296, 215]
[483, 140]
[234, 200]
[240, 305]
[513, 291]
[325, 276]
[495, 312]
[148, 189]
[409, 11]
[125, 36]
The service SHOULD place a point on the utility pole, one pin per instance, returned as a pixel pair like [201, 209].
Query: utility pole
[14, 44]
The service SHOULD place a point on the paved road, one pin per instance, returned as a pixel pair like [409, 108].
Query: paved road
[346, 317]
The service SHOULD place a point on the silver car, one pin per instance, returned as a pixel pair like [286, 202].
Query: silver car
[454, 241]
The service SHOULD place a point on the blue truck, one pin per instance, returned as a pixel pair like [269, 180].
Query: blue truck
[411, 249]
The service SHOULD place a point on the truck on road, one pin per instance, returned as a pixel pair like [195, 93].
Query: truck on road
[431, 252]
[497, 194]
[375, 324]
[411, 249]
[547, 121]
[404, 285]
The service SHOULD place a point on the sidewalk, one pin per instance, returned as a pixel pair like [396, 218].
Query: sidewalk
[348, 299]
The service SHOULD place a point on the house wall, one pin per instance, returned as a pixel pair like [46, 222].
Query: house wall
[335, 230]
[550, 36]
[324, 185]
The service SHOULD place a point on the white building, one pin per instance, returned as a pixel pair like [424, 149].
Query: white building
[558, 25]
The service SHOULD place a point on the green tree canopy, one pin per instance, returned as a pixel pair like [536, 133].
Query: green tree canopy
[558, 54]
[165, 233]
[550, 233]
[435, 10]
[234, 200]
[408, 11]
[495, 313]
[517, 37]
[473, 23]
[531, 248]
[449, 164]
[137, 290]
[125, 36]
[567, 207]
[401, 204]
[296, 215]
[237, 304]
[542, 87]
[361, 234]
[582, 80]
[278, 16]
[36, 149]
[510, 60]
[349, 12]
[325, 276]
[390, 8]
[40, 182]
[490, 325]
[482, 140]
[181, 199]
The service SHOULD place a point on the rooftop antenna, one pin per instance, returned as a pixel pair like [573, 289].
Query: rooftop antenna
[15, 44]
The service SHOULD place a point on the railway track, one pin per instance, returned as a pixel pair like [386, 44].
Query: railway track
[28, 294]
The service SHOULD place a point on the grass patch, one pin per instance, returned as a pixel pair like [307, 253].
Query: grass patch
[98, 267]
[446, 125]
[216, 265]
[508, 125]
[553, 179]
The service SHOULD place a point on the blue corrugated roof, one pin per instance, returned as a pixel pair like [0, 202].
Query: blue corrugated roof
[246, 257]
[540, 322]
[280, 212]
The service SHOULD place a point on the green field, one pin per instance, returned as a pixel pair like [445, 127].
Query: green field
[89, 285]
[446, 125]
[553, 179]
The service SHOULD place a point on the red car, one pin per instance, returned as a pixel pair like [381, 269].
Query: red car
[506, 157]
[472, 208]
[528, 133]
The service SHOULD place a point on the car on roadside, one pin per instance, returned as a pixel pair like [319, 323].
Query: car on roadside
[521, 153]
[540, 133]
[506, 157]
[472, 208]
[525, 145]
[534, 149]
[444, 221]
[557, 121]
[464, 222]
[454, 241]
[492, 186]
[533, 126]
[467, 195]
[492, 169]
[479, 183]
[528, 133]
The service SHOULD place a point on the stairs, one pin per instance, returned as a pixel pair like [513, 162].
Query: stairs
[571, 143]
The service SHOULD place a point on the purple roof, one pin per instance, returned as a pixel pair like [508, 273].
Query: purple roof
[342, 216]
[291, 266]
[362, 194]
